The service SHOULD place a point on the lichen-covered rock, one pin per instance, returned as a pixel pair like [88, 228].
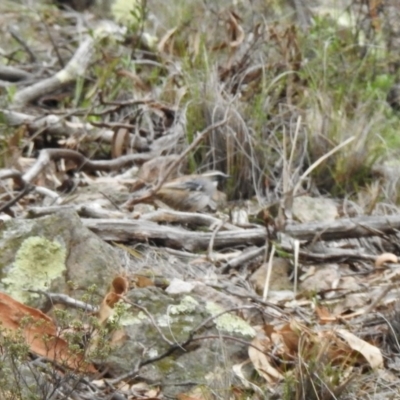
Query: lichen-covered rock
[48, 252]
[205, 361]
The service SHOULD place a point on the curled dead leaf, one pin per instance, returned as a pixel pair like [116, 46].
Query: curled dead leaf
[167, 38]
[385, 258]
[120, 142]
[236, 31]
[120, 285]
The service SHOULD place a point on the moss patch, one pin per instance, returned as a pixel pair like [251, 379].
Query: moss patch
[37, 263]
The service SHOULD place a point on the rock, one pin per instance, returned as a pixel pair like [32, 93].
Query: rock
[204, 362]
[321, 278]
[281, 269]
[48, 252]
[309, 209]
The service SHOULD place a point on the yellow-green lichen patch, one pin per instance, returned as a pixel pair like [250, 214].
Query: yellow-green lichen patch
[228, 322]
[187, 305]
[134, 319]
[37, 263]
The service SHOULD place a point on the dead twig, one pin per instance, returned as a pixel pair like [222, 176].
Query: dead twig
[16, 176]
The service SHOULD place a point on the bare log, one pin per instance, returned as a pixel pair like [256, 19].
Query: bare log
[345, 228]
[13, 74]
[145, 231]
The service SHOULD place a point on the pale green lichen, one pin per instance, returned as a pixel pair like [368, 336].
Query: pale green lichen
[132, 319]
[187, 305]
[228, 322]
[37, 263]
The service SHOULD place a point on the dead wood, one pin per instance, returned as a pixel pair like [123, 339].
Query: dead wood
[345, 228]
[13, 74]
[75, 68]
[330, 255]
[19, 181]
[191, 218]
[246, 256]
[83, 163]
[83, 210]
[58, 126]
[145, 231]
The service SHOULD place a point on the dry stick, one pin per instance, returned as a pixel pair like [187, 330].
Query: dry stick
[175, 164]
[75, 68]
[296, 252]
[268, 274]
[294, 147]
[380, 296]
[50, 36]
[243, 258]
[59, 298]
[216, 229]
[16, 176]
[22, 42]
[319, 161]
[150, 317]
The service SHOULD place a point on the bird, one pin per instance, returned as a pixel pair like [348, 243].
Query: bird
[192, 192]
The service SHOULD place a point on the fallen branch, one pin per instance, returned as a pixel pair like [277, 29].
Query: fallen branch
[345, 228]
[175, 237]
[191, 218]
[83, 163]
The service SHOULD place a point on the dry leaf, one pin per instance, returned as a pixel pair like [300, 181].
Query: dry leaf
[290, 335]
[142, 281]
[237, 369]
[161, 47]
[371, 353]
[261, 363]
[119, 288]
[40, 334]
[236, 31]
[324, 315]
[120, 142]
[106, 309]
[385, 258]
[120, 285]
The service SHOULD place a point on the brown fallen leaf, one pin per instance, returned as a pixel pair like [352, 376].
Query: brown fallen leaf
[40, 333]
